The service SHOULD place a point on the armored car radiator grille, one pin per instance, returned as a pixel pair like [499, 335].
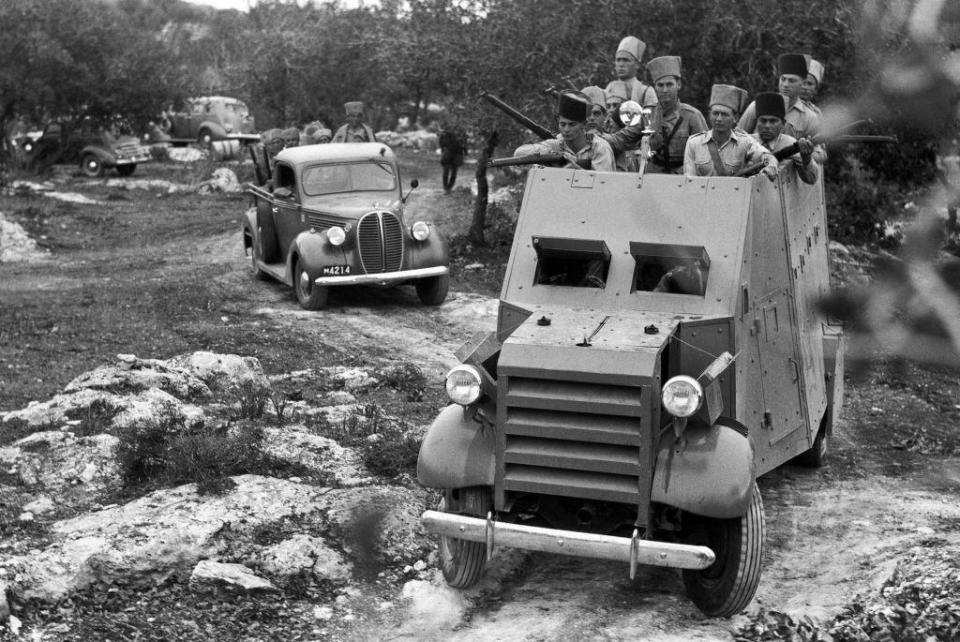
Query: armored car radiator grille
[572, 439]
[380, 240]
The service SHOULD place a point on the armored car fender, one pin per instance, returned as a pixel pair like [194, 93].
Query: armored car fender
[457, 451]
[708, 470]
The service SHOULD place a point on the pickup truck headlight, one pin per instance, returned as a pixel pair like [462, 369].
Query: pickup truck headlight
[336, 235]
[681, 396]
[420, 231]
[463, 384]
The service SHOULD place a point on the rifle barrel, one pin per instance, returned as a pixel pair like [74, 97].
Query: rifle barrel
[529, 123]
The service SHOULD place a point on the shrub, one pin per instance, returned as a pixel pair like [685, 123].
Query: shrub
[252, 400]
[166, 453]
[858, 202]
[386, 446]
[406, 378]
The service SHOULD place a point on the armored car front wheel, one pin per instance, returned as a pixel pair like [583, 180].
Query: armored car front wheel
[726, 587]
[462, 561]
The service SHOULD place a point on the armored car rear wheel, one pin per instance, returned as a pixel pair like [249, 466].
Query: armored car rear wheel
[727, 586]
[462, 561]
[816, 457]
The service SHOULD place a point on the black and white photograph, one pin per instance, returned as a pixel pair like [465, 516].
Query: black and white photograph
[479, 320]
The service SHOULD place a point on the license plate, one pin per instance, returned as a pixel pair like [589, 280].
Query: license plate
[335, 270]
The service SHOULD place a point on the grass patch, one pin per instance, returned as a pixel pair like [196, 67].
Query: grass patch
[386, 446]
[165, 453]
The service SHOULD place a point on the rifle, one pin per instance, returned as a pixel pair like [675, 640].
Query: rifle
[530, 124]
[531, 159]
[790, 150]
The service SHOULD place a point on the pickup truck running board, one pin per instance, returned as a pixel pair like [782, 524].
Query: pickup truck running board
[632, 550]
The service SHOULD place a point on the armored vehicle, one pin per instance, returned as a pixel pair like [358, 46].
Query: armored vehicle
[333, 215]
[657, 350]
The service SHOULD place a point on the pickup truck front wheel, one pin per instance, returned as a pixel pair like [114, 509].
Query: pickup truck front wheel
[726, 587]
[310, 295]
[462, 561]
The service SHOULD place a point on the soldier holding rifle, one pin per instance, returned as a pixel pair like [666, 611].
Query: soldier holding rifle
[770, 115]
[573, 144]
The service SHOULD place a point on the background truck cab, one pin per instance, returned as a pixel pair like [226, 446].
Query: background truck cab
[657, 350]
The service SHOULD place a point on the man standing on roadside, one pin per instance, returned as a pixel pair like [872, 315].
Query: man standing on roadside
[672, 121]
[626, 65]
[355, 130]
[580, 151]
[724, 149]
[770, 113]
[453, 145]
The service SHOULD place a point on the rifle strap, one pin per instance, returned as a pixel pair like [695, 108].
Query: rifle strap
[664, 152]
[715, 155]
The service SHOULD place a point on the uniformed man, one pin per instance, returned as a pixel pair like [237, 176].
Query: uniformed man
[580, 150]
[770, 115]
[616, 93]
[801, 121]
[622, 141]
[724, 150]
[811, 85]
[626, 65]
[672, 121]
[355, 130]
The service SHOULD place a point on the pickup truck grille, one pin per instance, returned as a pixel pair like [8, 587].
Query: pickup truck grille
[572, 439]
[380, 239]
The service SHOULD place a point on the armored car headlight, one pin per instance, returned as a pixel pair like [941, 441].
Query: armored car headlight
[336, 235]
[681, 396]
[463, 384]
[420, 231]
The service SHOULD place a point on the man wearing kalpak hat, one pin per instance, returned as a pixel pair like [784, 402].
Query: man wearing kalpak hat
[626, 65]
[724, 150]
[355, 130]
[616, 93]
[621, 140]
[811, 85]
[672, 121]
[580, 150]
[801, 121]
[770, 113]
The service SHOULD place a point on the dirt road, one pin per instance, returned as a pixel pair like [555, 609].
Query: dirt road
[893, 482]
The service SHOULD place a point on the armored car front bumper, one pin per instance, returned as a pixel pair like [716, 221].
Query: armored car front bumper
[383, 278]
[631, 550]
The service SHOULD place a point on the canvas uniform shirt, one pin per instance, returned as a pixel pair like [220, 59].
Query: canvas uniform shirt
[739, 151]
[808, 174]
[362, 134]
[638, 91]
[597, 151]
[691, 122]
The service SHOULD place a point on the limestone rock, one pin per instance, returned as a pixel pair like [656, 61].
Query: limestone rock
[305, 553]
[325, 456]
[58, 463]
[217, 575]
[223, 372]
[132, 375]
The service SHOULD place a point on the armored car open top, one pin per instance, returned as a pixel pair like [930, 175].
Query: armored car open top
[657, 349]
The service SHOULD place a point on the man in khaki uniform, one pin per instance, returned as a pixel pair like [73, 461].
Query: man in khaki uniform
[811, 85]
[616, 94]
[801, 121]
[626, 65]
[580, 150]
[623, 141]
[355, 130]
[672, 121]
[724, 149]
[770, 114]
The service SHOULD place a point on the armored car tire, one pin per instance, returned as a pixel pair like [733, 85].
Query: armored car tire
[726, 587]
[816, 457]
[310, 295]
[433, 291]
[462, 561]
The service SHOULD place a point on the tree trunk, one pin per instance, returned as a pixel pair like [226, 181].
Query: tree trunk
[480, 207]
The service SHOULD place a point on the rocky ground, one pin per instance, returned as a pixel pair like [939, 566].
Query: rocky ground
[316, 536]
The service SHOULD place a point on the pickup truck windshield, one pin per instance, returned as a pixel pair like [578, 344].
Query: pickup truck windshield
[349, 177]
